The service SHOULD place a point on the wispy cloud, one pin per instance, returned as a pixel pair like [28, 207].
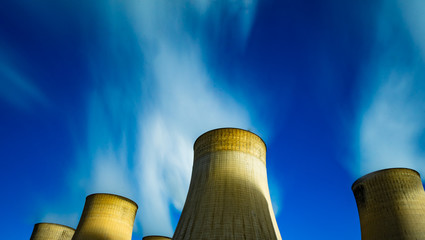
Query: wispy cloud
[186, 106]
[412, 14]
[184, 103]
[144, 117]
[392, 121]
[110, 174]
[391, 127]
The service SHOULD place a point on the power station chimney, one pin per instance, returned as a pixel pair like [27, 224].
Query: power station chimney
[155, 238]
[106, 216]
[391, 205]
[51, 231]
[228, 195]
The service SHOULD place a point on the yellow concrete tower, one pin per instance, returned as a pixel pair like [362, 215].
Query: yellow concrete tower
[391, 205]
[156, 238]
[106, 216]
[228, 195]
[51, 231]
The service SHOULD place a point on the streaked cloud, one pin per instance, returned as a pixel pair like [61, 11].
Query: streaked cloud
[110, 174]
[184, 102]
[392, 120]
[144, 117]
[392, 126]
[412, 14]
[185, 106]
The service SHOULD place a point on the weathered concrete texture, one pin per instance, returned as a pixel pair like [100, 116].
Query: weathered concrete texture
[228, 195]
[391, 205]
[51, 231]
[155, 238]
[106, 216]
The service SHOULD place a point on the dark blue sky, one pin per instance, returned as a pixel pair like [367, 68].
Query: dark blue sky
[109, 97]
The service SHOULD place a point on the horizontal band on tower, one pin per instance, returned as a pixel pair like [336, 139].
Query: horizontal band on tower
[382, 172]
[54, 224]
[113, 195]
[230, 139]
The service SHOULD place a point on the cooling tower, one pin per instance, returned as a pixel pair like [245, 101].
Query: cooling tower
[391, 205]
[106, 216]
[228, 196]
[156, 238]
[51, 231]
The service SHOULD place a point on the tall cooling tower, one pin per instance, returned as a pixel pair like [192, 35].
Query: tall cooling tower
[51, 231]
[228, 195]
[106, 216]
[391, 205]
[156, 238]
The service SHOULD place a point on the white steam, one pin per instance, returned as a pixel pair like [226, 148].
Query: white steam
[141, 130]
[111, 174]
[186, 105]
[392, 125]
[391, 128]
[412, 13]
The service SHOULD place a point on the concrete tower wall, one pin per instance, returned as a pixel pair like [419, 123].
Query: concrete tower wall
[228, 195]
[51, 231]
[391, 205]
[106, 216]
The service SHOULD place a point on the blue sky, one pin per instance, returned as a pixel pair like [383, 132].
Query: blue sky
[109, 96]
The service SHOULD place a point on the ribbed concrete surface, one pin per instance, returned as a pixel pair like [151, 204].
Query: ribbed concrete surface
[156, 238]
[391, 205]
[228, 195]
[51, 231]
[106, 216]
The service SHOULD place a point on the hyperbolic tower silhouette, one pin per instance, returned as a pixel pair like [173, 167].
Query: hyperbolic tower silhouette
[106, 216]
[391, 205]
[228, 195]
[51, 231]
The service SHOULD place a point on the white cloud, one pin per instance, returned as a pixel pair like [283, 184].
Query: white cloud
[110, 174]
[178, 21]
[160, 114]
[392, 120]
[141, 124]
[182, 103]
[412, 12]
[185, 106]
[391, 127]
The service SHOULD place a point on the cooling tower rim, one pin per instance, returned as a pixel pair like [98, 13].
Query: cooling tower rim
[369, 175]
[114, 195]
[56, 224]
[155, 236]
[223, 128]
